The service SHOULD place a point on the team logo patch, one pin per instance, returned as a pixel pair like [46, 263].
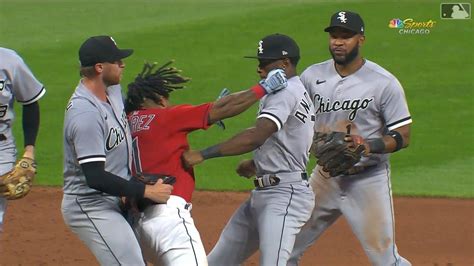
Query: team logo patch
[2, 84]
[342, 17]
[260, 47]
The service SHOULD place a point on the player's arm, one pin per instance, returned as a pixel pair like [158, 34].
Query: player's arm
[395, 140]
[245, 141]
[99, 179]
[31, 121]
[236, 103]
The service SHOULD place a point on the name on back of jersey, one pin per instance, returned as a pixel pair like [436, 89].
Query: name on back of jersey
[140, 122]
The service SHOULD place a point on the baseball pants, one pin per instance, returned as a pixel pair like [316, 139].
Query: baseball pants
[168, 236]
[4, 168]
[269, 220]
[365, 200]
[99, 223]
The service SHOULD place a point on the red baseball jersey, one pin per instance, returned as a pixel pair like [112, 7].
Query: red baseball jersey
[160, 138]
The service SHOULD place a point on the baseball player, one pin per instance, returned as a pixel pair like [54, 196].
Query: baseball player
[17, 83]
[97, 158]
[281, 138]
[349, 89]
[166, 232]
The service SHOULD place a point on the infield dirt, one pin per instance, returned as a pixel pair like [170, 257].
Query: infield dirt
[428, 232]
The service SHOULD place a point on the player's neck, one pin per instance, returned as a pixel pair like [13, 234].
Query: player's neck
[97, 87]
[352, 67]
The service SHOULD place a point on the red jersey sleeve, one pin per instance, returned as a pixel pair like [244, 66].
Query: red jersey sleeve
[190, 117]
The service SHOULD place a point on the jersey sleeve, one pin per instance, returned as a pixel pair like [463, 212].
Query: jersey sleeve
[277, 107]
[394, 106]
[87, 134]
[26, 88]
[190, 117]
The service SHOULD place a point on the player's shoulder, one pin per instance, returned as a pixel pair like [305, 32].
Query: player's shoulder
[292, 92]
[10, 56]
[80, 105]
[318, 67]
[378, 71]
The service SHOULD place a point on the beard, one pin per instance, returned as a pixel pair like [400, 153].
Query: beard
[344, 60]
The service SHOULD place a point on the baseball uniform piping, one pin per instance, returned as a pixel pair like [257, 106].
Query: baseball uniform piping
[284, 220]
[190, 238]
[391, 212]
[35, 98]
[92, 222]
[91, 158]
[399, 123]
[272, 117]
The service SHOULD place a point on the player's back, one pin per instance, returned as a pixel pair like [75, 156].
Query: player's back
[160, 138]
[287, 150]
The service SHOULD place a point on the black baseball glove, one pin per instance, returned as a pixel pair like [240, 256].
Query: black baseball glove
[335, 154]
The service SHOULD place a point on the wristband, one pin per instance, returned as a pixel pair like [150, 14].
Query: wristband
[398, 139]
[259, 91]
[211, 152]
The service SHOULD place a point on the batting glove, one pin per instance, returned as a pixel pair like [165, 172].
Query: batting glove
[275, 81]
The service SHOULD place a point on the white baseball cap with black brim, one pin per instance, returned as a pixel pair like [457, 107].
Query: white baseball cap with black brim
[100, 49]
[346, 20]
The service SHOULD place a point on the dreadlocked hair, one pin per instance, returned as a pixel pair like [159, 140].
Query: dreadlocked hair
[152, 84]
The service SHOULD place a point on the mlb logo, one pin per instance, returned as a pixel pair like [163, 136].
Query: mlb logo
[455, 10]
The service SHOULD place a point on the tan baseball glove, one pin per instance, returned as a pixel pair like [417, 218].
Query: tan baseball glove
[18, 182]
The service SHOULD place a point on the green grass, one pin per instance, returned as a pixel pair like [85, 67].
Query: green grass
[208, 40]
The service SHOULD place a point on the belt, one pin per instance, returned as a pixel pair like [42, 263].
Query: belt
[280, 178]
[2, 137]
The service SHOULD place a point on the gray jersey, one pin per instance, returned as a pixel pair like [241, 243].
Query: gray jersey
[95, 131]
[371, 99]
[287, 150]
[16, 83]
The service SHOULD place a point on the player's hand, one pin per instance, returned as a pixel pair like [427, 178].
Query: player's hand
[356, 141]
[190, 158]
[246, 168]
[159, 192]
[275, 81]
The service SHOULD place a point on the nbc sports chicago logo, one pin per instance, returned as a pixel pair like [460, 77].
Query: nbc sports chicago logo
[411, 26]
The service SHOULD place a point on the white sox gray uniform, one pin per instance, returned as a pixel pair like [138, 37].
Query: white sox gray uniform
[282, 202]
[98, 131]
[18, 83]
[373, 101]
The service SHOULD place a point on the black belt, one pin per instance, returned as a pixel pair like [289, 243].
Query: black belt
[274, 180]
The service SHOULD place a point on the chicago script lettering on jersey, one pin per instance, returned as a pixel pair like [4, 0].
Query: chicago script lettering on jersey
[141, 122]
[114, 138]
[326, 106]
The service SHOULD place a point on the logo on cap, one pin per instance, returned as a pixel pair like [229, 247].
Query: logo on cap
[342, 17]
[284, 52]
[260, 47]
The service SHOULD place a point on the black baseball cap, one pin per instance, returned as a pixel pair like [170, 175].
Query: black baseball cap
[100, 49]
[347, 20]
[276, 46]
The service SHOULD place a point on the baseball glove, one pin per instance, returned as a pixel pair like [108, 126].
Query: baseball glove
[335, 154]
[17, 183]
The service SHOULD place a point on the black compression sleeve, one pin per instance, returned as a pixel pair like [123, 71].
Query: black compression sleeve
[99, 179]
[31, 121]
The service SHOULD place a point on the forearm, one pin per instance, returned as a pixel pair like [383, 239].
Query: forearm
[234, 104]
[392, 142]
[31, 121]
[246, 141]
[99, 179]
